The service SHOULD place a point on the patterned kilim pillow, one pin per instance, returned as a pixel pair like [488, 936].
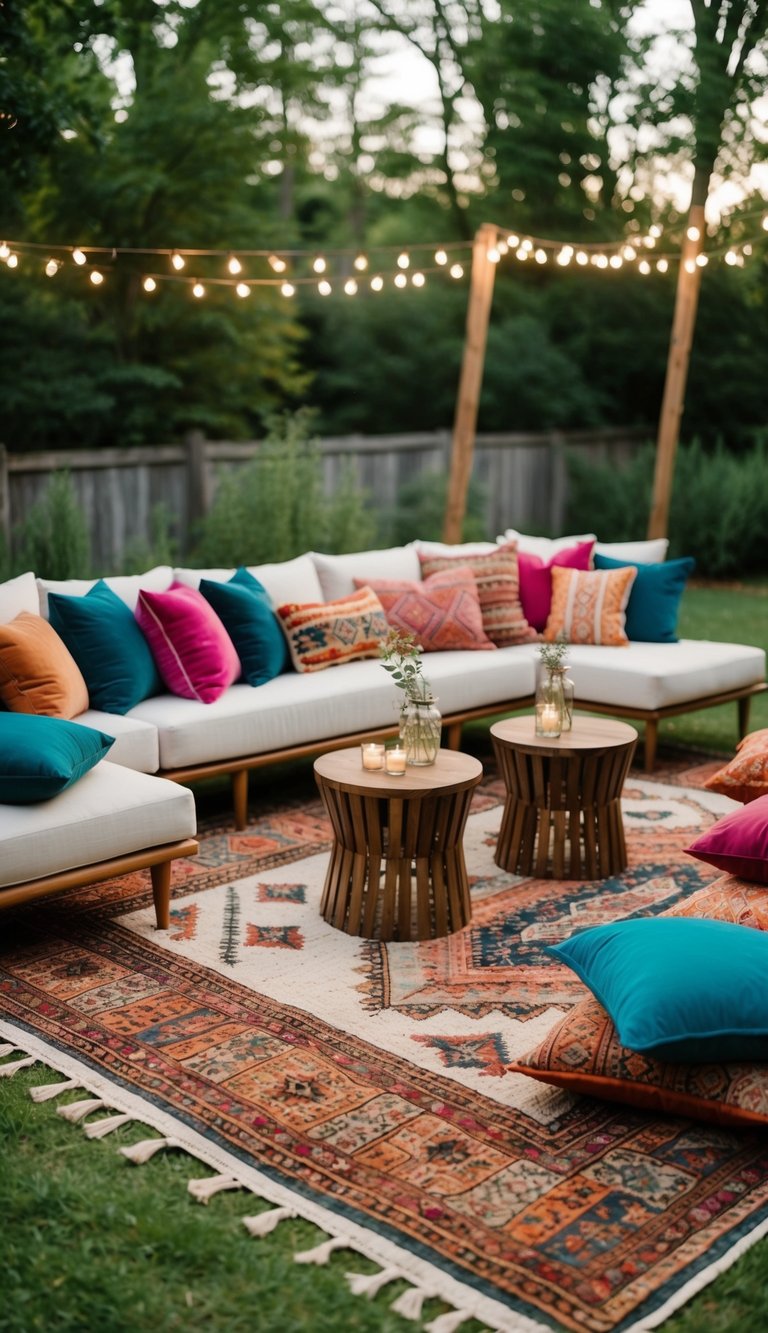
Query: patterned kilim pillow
[442, 612]
[323, 634]
[583, 1054]
[498, 588]
[746, 776]
[589, 606]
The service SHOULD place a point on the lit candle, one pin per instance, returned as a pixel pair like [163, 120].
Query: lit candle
[394, 761]
[373, 754]
[548, 720]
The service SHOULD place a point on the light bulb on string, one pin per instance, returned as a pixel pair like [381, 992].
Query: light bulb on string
[149, 285]
[564, 256]
[582, 257]
[616, 261]
[361, 263]
[629, 253]
[242, 289]
[522, 254]
[324, 288]
[693, 234]
[418, 280]
[764, 223]
[96, 277]
[234, 266]
[277, 264]
[731, 258]
[502, 247]
[403, 260]
[319, 264]
[401, 280]
[198, 291]
[377, 282]
[526, 245]
[655, 231]
[350, 287]
[79, 257]
[513, 241]
[662, 265]
[441, 257]
[644, 267]
[51, 268]
[600, 261]
[747, 249]
[178, 261]
[690, 265]
[540, 256]
[702, 261]
[288, 289]
[493, 254]
[5, 250]
[12, 261]
[456, 271]
[649, 242]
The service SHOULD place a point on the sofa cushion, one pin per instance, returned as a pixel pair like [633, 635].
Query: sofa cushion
[245, 610]
[102, 635]
[195, 656]
[745, 777]
[337, 573]
[38, 674]
[727, 899]
[651, 675]
[442, 611]
[737, 843]
[654, 599]
[589, 606]
[125, 585]
[650, 552]
[287, 581]
[536, 578]
[40, 756]
[544, 547]
[112, 811]
[19, 594]
[326, 634]
[498, 589]
[136, 743]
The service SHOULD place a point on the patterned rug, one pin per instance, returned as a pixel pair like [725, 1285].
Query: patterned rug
[364, 1086]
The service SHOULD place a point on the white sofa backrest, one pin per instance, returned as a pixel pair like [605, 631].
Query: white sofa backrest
[337, 573]
[19, 594]
[288, 581]
[127, 586]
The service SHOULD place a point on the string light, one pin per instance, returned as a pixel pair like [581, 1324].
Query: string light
[522, 255]
[662, 265]
[644, 267]
[96, 277]
[401, 280]
[324, 288]
[149, 285]
[418, 280]
[79, 257]
[540, 256]
[764, 223]
[361, 263]
[693, 234]
[582, 257]
[277, 264]
[456, 271]
[319, 264]
[198, 290]
[51, 268]
[234, 265]
[377, 283]
[350, 287]
[178, 261]
[12, 261]
[288, 289]
[5, 250]
[702, 261]
[243, 289]
[494, 255]
[441, 257]
[731, 258]
[690, 266]
[403, 261]
[616, 261]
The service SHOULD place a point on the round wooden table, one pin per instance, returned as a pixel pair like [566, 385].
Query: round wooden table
[562, 817]
[397, 867]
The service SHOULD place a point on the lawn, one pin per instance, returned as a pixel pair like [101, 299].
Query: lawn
[91, 1242]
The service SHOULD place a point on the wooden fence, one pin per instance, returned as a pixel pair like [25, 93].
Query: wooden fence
[522, 478]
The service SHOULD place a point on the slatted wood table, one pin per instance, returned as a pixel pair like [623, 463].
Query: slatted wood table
[562, 816]
[397, 868]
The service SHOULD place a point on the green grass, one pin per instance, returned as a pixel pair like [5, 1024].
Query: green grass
[90, 1242]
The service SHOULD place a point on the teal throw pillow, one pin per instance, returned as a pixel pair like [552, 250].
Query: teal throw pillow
[654, 600]
[102, 635]
[679, 988]
[244, 608]
[40, 756]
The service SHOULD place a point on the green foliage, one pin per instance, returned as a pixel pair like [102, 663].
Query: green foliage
[420, 512]
[160, 549]
[53, 540]
[718, 513]
[275, 507]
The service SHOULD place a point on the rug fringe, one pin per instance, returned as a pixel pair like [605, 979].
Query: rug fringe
[140, 1152]
[100, 1128]
[320, 1254]
[13, 1068]
[48, 1090]
[409, 1303]
[205, 1187]
[367, 1284]
[260, 1224]
[446, 1323]
[75, 1111]
[7, 1049]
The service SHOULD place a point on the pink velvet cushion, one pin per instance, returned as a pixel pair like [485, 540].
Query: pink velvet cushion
[536, 578]
[738, 843]
[194, 654]
[442, 612]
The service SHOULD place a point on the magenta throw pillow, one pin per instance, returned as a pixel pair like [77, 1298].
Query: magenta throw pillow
[194, 654]
[738, 843]
[535, 577]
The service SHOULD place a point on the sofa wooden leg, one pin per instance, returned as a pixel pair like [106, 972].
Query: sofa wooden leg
[161, 892]
[240, 798]
[452, 736]
[743, 707]
[651, 741]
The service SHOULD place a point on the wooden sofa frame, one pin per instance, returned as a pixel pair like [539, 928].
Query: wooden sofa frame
[239, 768]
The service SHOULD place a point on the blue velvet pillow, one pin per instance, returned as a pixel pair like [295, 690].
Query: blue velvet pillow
[244, 608]
[102, 635]
[654, 600]
[680, 988]
[40, 756]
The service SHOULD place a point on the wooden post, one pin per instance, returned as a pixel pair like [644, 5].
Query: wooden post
[686, 301]
[198, 481]
[465, 419]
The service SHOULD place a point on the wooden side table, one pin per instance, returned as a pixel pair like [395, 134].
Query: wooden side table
[397, 867]
[562, 817]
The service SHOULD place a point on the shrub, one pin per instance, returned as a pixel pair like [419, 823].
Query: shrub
[420, 511]
[53, 539]
[160, 548]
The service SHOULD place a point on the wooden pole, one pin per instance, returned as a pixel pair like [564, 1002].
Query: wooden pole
[686, 301]
[473, 361]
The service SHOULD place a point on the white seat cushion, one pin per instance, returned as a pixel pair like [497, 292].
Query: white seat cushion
[17, 595]
[110, 812]
[136, 744]
[297, 708]
[656, 675]
[126, 586]
[337, 573]
[288, 581]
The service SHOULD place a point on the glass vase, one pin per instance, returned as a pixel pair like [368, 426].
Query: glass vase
[568, 696]
[420, 726]
[550, 704]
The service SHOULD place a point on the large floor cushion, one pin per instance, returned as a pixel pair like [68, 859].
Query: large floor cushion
[295, 708]
[136, 744]
[657, 675]
[112, 811]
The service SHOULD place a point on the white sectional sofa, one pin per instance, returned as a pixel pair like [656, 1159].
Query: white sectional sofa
[168, 737]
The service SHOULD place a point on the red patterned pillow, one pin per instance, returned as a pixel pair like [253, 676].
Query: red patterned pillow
[323, 634]
[496, 576]
[746, 776]
[442, 612]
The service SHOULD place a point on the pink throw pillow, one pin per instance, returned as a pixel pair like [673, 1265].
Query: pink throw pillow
[194, 654]
[442, 612]
[536, 578]
[738, 843]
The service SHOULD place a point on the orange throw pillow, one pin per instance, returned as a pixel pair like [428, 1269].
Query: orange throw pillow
[38, 674]
[746, 776]
[589, 605]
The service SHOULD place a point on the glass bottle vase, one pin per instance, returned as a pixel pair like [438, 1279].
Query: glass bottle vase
[568, 696]
[550, 704]
[420, 726]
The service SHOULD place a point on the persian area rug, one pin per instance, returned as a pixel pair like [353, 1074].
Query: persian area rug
[365, 1086]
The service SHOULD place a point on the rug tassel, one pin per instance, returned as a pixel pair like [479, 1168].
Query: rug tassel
[7, 1049]
[321, 1253]
[205, 1187]
[140, 1152]
[75, 1111]
[100, 1128]
[16, 1065]
[367, 1284]
[49, 1090]
[260, 1224]
[410, 1302]
[446, 1323]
